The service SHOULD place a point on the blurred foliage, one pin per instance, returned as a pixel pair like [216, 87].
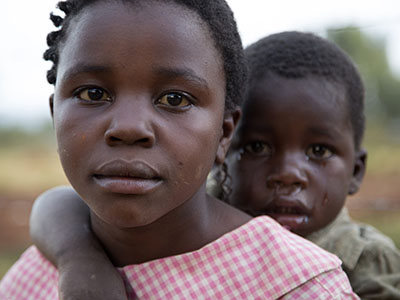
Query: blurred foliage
[7, 259]
[383, 145]
[29, 160]
[382, 85]
[17, 136]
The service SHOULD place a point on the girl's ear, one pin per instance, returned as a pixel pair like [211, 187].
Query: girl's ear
[358, 171]
[231, 119]
[51, 103]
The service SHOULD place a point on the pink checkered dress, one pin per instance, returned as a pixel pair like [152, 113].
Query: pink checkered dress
[259, 260]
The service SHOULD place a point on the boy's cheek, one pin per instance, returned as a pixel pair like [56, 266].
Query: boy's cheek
[339, 170]
[248, 185]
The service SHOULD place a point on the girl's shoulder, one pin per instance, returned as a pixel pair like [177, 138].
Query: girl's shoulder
[280, 244]
[31, 277]
[259, 258]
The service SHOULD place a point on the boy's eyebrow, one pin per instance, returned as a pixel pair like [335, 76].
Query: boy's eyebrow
[185, 73]
[332, 133]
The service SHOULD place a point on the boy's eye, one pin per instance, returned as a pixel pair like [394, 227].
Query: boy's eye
[319, 152]
[94, 94]
[174, 100]
[258, 148]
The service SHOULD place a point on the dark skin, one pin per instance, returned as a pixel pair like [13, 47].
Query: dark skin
[317, 133]
[273, 146]
[91, 264]
[293, 156]
[137, 97]
[132, 109]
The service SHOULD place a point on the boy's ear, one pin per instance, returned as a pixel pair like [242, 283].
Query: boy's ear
[51, 103]
[231, 119]
[358, 171]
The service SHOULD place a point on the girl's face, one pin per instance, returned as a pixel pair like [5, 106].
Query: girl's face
[139, 109]
[293, 156]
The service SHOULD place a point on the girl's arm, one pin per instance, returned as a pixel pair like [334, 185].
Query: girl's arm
[60, 228]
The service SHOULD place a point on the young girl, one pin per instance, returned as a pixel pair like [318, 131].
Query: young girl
[144, 103]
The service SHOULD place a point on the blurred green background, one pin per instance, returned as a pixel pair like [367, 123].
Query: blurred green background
[29, 162]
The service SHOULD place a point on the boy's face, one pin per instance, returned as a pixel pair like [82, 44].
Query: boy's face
[293, 155]
[138, 109]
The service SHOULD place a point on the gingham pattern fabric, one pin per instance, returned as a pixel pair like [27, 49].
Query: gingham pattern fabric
[259, 260]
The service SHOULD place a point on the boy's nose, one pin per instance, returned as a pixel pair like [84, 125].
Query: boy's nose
[288, 171]
[130, 124]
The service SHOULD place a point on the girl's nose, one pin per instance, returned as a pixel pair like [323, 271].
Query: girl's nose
[289, 171]
[131, 124]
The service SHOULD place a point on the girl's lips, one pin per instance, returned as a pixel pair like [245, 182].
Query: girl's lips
[126, 168]
[127, 177]
[126, 185]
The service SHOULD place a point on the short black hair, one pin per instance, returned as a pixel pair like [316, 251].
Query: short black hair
[216, 14]
[296, 54]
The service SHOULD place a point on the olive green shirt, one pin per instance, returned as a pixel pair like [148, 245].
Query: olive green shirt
[370, 259]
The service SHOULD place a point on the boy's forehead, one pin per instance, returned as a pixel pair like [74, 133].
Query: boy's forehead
[273, 100]
[273, 90]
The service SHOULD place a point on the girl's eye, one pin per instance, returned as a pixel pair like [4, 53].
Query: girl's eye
[94, 94]
[174, 100]
[258, 148]
[319, 152]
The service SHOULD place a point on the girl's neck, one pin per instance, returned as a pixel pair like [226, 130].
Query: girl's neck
[197, 222]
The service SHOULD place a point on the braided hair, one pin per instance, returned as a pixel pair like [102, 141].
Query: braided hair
[215, 13]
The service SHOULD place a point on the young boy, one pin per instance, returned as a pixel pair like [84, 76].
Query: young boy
[297, 154]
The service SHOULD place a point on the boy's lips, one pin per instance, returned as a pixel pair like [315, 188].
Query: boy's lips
[290, 221]
[127, 177]
[290, 213]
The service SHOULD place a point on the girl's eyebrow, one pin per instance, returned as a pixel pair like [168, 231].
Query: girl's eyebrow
[172, 73]
[84, 68]
[183, 73]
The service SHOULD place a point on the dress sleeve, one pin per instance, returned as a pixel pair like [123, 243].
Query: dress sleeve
[31, 278]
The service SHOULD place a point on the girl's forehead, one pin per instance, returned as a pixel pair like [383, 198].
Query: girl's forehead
[143, 48]
[109, 31]
[167, 17]
[102, 12]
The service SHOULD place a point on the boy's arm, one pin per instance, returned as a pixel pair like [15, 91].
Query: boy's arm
[377, 273]
[60, 228]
